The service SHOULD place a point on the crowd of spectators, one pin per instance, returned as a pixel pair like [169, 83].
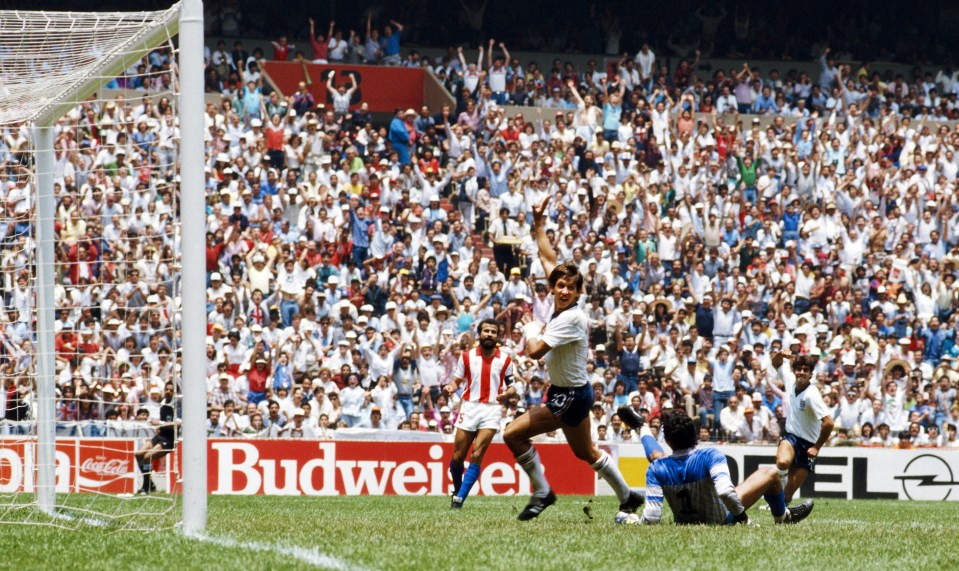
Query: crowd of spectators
[721, 28]
[347, 261]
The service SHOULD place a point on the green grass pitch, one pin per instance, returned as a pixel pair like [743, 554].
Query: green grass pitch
[422, 533]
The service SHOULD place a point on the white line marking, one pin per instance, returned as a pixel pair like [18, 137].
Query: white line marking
[909, 524]
[92, 521]
[307, 555]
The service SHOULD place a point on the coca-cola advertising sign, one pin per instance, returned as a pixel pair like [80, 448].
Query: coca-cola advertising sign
[108, 468]
[354, 468]
[13, 472]
[83, 465]
[105, 468]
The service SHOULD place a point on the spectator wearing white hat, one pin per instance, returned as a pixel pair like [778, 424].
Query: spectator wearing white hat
[298, 428]
[516, 287]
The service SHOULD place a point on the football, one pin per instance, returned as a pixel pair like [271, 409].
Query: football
[623, 518]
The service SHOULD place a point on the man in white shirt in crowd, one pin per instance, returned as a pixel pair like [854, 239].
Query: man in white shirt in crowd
[298, 428]
[751, 430]
[645, 58]
[766, 417]
[731, 417]
[431, 369]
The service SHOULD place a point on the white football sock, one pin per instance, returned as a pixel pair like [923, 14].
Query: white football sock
[530, 463]
[784, 477]
[607, 471]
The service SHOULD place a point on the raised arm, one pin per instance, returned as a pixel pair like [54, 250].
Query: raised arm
[485, 301]
[502, 46]
[641, 338]
[329, 82]
[547, 255]
[572, 87]
[778, 358]
[691, 291]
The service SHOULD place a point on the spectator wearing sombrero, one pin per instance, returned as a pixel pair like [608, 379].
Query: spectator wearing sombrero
[662, 312]
[902, 317]
[897, 369]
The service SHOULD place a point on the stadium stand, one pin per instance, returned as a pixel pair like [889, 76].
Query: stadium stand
[719, 216]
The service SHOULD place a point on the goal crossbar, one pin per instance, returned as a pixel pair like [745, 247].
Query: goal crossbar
[121, 52]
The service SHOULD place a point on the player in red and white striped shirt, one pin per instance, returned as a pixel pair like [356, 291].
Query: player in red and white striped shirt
[488, 376]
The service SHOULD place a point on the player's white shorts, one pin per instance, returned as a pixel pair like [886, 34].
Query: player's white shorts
[476, 416]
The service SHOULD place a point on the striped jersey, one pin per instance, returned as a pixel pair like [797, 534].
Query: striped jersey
[693, 484]
[484, 377]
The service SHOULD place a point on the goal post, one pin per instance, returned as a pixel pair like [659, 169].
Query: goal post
[193, 204]
[60, 127]
[46, 356]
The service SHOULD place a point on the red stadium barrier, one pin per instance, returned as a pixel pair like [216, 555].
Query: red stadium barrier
[292, 467]
[384, 88]
[298, 467]
[103, 466]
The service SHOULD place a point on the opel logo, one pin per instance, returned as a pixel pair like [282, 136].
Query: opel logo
[921, 478]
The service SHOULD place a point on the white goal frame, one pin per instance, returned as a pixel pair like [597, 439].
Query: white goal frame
[186, 20]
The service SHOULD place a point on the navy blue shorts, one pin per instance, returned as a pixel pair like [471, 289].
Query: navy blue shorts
[801, 448]
[570, 404]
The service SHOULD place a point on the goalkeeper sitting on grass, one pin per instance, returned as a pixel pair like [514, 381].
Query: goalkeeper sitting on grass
[696, 482]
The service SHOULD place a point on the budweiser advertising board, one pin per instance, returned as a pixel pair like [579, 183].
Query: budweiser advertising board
[297, 467]
[294, 467]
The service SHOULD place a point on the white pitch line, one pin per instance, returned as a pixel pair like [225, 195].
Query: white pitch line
[92, 521]
[911, 524]
[312, 557]
[846, 521]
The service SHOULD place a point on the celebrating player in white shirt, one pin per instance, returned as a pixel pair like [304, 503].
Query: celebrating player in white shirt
[564, 344]
[488, 374]
[808, 423]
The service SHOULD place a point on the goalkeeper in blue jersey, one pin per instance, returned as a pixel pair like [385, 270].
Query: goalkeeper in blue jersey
[696, 483]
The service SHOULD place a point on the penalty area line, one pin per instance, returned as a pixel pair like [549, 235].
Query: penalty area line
[310, 556]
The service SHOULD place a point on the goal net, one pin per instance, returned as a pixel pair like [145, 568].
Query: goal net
[90, 267]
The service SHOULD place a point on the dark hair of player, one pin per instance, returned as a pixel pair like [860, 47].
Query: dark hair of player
[491, 322]
[567, 270]
[808, 360]
[679, 430]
